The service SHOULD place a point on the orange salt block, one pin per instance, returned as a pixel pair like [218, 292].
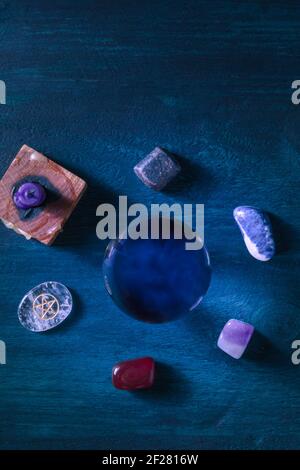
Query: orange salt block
[63, 192]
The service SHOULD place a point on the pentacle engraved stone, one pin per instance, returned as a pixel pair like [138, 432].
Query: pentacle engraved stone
[45, 306]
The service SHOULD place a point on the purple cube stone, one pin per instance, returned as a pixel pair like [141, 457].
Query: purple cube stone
[157, 169]
[235, 337]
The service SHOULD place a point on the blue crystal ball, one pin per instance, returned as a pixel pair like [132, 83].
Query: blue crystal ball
[156, 280]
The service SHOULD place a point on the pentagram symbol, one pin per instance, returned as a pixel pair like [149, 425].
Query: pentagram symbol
[46, 306]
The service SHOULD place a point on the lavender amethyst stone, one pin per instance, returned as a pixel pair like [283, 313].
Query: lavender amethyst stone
[157, 169]
[235, 337]
[256, 230]
[29, 195]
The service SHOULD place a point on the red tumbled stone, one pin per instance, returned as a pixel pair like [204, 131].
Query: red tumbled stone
[134, 374]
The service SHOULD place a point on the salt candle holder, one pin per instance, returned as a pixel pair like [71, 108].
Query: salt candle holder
[31, 177]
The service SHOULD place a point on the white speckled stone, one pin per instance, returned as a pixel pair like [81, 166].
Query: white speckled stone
[256, 229]
[45, 306]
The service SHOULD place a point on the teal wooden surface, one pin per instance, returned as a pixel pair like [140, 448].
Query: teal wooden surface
[96, 85]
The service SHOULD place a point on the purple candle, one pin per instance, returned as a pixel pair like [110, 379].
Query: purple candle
[29, 195]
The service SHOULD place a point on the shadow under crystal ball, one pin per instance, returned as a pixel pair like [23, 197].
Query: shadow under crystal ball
[156, 280]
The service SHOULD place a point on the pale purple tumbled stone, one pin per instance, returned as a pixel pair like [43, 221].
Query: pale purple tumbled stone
[157, 169]
[235, 337]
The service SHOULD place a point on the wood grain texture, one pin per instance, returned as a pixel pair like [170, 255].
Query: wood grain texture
[97, 85]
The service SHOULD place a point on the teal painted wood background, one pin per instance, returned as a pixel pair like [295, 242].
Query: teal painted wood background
[96, 85]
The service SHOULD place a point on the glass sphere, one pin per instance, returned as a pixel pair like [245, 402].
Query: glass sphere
[156, 280]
